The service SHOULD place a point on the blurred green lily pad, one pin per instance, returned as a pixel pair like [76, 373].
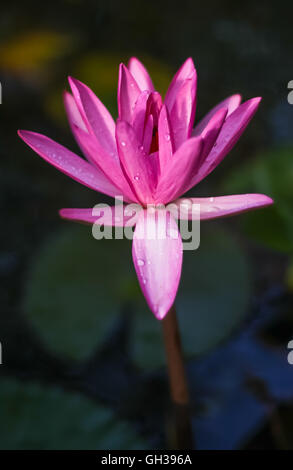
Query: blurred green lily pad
[39, 418]
[270, 173]
[78, 286]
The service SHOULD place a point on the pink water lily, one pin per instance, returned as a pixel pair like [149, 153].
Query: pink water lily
[151, 155]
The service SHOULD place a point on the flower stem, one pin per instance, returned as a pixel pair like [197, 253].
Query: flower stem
[178, 383]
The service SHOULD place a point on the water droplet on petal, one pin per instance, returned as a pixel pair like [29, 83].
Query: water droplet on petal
[123, 143]
[212, 199]
[140, 262]
[167, 137]
[136, 177]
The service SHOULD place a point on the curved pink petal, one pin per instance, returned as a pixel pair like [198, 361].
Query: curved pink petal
[157, 257]
[78, 129]
[223, 206]
[183, 111]
[139, 114]
[120, 216]
[186, 71]
[98, 144]
[176, 177]
[232, 129]
[139, 72]
[231, 103]
[72, 111]
[138, 166]
[109, 166]
[128, 93]
[98, 119]
[68, 162]
[165, 138]
[211, 131]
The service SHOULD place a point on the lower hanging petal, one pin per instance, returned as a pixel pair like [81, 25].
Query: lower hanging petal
[157, 256]
[215, 207]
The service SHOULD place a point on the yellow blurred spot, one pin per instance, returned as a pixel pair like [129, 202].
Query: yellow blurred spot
[30, 51]
[100, 71]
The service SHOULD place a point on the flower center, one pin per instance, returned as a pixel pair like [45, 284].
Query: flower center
[154, 105]
[155, 140]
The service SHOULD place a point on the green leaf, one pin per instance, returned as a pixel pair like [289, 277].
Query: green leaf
[39, 418]
[78, 286]
[271, 174]
[76, 289]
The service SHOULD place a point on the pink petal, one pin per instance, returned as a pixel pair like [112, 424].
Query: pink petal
[72, 111]
[223, 206]
[97, 143]
[231, 131]
[68, 162]
[148, 134]
[177, 175]
[211, 131]
[186, 71]
[183, 111]
[154, 106]
[136, 163]
[128, 93]
[165, 138]
[109, 166]
[139, 114]
[98, 119]
[231, 103]
[120, 216]
[78, 128]
[157, 256]
[140, 74]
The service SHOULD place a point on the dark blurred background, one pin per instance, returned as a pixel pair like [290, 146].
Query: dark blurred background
[83, 363]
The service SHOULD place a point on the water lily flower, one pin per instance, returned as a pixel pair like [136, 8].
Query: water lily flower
[152, 155]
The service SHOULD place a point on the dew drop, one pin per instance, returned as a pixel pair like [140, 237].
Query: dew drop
[167, 137]
[136, 177]
[140, 262]
[212, 199]
[123, 143]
